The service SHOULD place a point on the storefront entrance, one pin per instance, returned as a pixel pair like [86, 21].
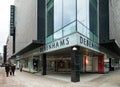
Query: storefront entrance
[91, 64]
[59, 64]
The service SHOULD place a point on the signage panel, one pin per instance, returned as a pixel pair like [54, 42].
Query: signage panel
[12, 17]
[86, 42]
[68, 41]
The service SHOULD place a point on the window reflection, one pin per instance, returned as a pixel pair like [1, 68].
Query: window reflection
[49, 39]
[95, 39]
[58, 34]
[69, 11]
[91, 36]
[83, 12]
[93, 16]
[88, 33]
[57, 14]
[69, 29]
[81, 28]
[60, 13]
[50, 17]
[87, 17]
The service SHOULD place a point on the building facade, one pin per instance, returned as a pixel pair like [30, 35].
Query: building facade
[9, 49]
[9, 45]
[1, 59]
[72, 37]
[4, 54]
[66, 36]
[27, 34]
[109, 31]
[114, 27]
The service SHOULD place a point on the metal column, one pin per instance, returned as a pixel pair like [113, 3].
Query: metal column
[75, 64]
[44, 64]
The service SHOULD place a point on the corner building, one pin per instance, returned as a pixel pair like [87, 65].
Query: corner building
[70, 36]
[109, 37]
[79, 37]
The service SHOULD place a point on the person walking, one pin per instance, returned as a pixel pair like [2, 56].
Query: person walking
[21, 66]
[7, 70]
[10, 69]
[13, 69]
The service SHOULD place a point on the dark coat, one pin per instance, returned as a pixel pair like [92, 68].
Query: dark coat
[13, 68]
[7, 68]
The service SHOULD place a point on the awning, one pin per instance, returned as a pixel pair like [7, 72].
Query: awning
[112, 46]
[31, 46]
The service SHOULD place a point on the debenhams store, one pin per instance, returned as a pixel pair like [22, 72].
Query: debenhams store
[72, 38]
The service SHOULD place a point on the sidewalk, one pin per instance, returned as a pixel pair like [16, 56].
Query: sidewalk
[84, 77]
[24, 79]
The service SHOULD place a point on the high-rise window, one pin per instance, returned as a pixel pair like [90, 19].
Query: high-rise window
[50, 16]
[83, 12]
[87, 18]
[93, 16]
[69, 11]
[62, 15]
[57, 14]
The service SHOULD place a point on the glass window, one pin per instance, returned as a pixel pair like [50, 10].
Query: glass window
[69, 11]
[81, 29]
[48, 1]
[93, 16]
[58, 34]
[69, 29]
[57, 14]
[83, 12]
[50, 16]
[88, 33]
[87, 18]
[91, 36]
[49, 39]
[95, 39]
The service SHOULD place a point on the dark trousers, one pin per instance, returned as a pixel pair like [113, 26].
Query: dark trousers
[13, 72]
[10, 73]
[20, 69]
[7, 73]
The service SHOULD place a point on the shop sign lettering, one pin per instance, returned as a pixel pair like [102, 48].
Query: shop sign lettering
[58, 44]
[72, 40]
[87, 42]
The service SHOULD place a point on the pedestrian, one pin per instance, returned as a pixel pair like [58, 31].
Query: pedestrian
[10, 69]
[7, 69]
[13, 69]
[21, 66]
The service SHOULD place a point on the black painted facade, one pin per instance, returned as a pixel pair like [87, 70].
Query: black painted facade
[41, 21]
[4, 54]
[103, 21]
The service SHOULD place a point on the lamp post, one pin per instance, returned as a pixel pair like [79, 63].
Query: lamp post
[75, 64]
[74, 48]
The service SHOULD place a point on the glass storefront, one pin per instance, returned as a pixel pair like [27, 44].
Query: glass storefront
[58, 64]
[68, 16]
[91, 64]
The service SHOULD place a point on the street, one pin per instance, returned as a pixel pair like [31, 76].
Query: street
[25, 79]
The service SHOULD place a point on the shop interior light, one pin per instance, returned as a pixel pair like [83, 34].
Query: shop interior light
[87, 61]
